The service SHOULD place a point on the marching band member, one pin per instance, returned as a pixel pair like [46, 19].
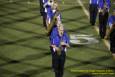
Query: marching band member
[111, 33]
[104, 7]
[59, 41]
[93, 9]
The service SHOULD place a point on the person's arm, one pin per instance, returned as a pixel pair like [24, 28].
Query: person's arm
[109, 27]
[66, 40]
[54, 47]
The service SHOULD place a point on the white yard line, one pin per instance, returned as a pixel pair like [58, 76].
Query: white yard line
[96, 28]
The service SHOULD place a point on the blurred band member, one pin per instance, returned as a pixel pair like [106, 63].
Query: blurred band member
[93, 9]
[59, 41]
[48, 10]
[43, 11]
[104, 7]
[57, 16]
[111, 33]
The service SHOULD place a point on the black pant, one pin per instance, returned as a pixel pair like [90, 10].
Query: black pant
[44, 20]
[58, 62]
[103, 18]
[112, 41]
[93, 13]
[41, 7]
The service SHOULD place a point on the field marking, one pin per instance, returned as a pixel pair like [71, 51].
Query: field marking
[96, 28]
[77, 39]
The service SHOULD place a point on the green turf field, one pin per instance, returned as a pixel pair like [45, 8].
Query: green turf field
[24, 46]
